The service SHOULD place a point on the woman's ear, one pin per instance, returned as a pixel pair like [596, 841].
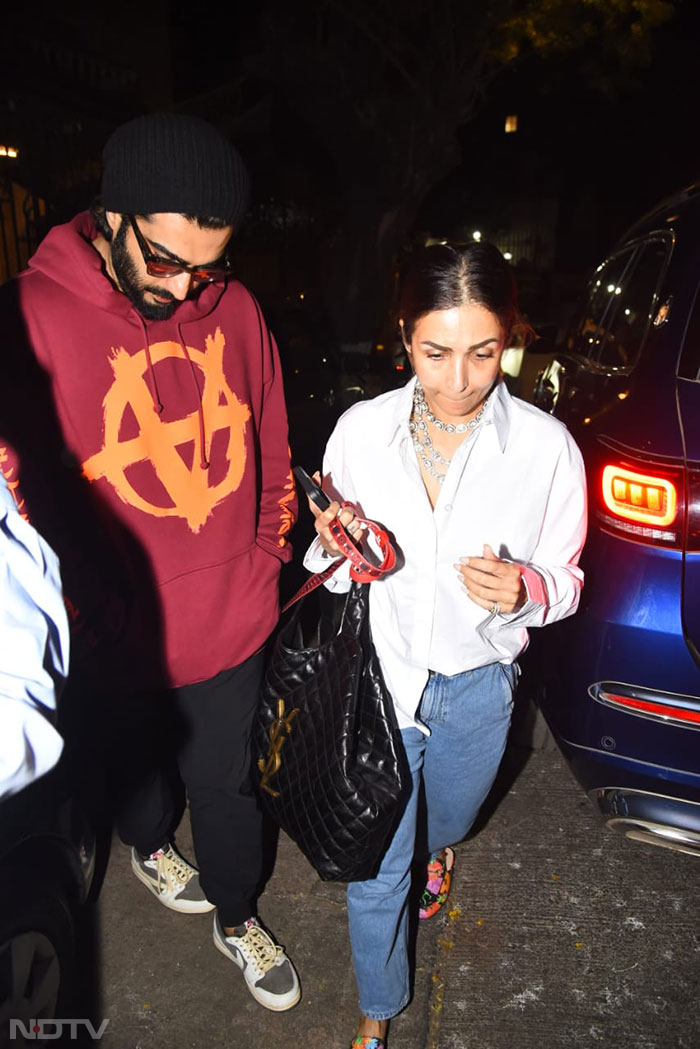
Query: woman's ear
[406, 347]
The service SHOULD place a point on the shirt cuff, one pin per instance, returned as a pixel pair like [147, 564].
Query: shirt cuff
[535, 586]
[316, 559]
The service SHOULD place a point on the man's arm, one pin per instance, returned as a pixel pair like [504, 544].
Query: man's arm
[278, 501]
[34, 648]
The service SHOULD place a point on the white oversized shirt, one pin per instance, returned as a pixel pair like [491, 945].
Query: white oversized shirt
[33, 650]
[517, 483]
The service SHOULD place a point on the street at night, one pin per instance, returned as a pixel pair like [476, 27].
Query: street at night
[560, 932]
[350, 524]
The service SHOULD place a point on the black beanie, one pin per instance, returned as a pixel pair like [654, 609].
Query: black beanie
[174, 163]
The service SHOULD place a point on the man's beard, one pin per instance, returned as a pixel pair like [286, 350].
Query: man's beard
[127, 275]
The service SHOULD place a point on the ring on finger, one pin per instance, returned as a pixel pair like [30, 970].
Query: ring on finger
[495, 609]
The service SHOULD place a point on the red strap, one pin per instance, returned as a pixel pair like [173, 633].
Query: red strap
[361, 568]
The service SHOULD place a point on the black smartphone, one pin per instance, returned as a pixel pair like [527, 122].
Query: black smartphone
[316, 494]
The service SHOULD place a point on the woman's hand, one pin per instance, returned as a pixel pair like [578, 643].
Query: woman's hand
[324, 517]
[494, 584]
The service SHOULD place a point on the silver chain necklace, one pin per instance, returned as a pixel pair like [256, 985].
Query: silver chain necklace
[421, 407]
[426, 451]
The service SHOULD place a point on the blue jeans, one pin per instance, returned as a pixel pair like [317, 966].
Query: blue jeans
[468, 716]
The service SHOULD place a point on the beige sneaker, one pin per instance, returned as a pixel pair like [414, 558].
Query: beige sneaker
[172, 879]
[268, 972]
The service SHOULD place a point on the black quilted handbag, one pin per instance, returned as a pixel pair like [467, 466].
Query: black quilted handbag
[333, 770]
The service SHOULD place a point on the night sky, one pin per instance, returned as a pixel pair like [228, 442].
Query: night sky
[606, 158]
[602, 158]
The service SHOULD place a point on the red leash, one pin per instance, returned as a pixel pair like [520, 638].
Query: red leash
[361, 568]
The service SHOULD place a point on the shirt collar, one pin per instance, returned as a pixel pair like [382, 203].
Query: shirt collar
[499, 412]
[403, 404]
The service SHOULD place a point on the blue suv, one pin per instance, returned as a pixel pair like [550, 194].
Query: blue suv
[619, 683]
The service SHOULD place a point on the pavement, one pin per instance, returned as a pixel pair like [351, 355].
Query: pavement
[559, 933]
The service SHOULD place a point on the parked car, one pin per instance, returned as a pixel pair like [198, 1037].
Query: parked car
[47, 863]
[619, 682]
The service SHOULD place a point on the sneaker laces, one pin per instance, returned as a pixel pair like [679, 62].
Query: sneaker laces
[264, 951]
[171, 865]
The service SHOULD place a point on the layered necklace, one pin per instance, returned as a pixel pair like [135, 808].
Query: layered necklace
[421, 417]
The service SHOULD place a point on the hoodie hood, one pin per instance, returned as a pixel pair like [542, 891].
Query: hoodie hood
[76, 265]
[68, 257]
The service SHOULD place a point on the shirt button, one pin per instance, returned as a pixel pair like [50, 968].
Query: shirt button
[448, 506]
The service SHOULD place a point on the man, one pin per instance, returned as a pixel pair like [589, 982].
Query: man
[34, 646]
[150, 439]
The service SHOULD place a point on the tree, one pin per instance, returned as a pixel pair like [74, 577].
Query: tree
[386, 85]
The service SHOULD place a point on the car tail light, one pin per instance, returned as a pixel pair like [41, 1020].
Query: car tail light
[641, 500]
[640, 496]
[679, 710]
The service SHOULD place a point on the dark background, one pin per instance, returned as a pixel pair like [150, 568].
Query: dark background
[342, 191]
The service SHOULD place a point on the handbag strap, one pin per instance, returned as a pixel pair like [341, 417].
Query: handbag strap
[361, 568]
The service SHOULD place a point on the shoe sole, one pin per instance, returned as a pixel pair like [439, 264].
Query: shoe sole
[253, 990]
[181, 906]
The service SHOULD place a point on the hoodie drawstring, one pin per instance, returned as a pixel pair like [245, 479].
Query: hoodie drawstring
[157, 403]
[155, 396]
[204, 461]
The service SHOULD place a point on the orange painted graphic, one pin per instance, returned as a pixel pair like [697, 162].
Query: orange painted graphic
[8, 472]
[157, 441]
[286, 515]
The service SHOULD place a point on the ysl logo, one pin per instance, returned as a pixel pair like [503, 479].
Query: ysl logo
[279, 730]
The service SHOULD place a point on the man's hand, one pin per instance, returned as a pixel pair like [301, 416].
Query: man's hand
[494, 584]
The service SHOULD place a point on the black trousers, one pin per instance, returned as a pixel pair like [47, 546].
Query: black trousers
[197, 736]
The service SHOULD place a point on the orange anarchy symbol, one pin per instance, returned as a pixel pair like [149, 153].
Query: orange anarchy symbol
[160, 442]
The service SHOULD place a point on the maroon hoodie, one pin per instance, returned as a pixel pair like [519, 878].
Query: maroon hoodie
[174, 434]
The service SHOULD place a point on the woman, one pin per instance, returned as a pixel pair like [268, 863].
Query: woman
[485, 497]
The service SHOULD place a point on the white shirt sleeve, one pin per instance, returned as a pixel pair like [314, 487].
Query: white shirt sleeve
[553, 579]
[34, 648]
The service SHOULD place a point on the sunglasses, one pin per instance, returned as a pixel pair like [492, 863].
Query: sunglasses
[157, 266]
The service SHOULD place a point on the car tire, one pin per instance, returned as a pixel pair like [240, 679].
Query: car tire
[37, 957]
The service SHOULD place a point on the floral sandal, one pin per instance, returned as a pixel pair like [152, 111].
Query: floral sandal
[365, 1042]
[438, 885]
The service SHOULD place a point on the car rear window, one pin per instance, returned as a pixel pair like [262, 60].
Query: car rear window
[689, 367]
[636, 299]
[622, 297]
[589, 333]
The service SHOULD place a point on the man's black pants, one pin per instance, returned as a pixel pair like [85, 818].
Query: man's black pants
[201, 732]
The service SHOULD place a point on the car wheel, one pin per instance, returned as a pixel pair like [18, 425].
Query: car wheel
[36, 958]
